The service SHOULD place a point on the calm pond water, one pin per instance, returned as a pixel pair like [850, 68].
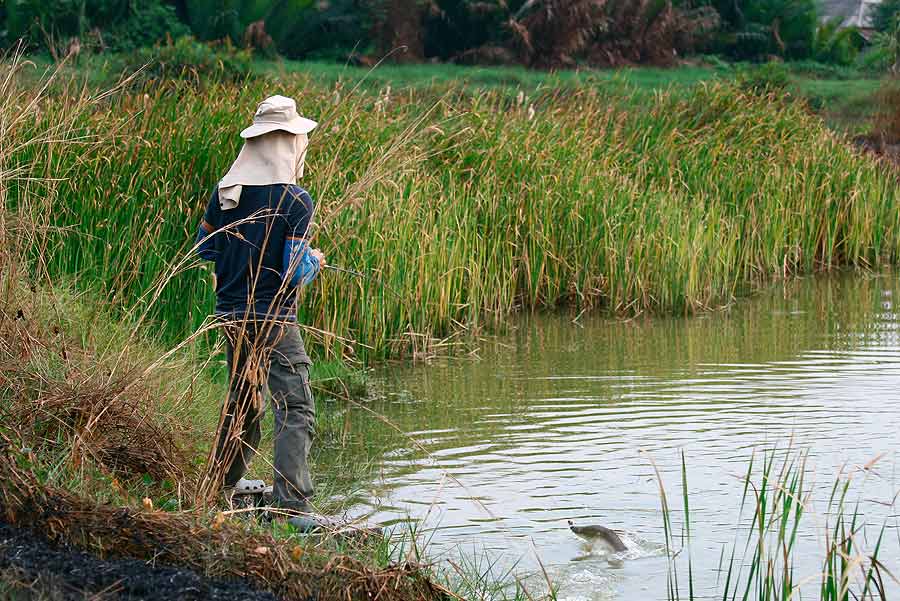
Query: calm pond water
[559, 421]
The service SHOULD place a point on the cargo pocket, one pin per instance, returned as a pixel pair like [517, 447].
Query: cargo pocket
[305, 375]
[294, 363]
[289, 350]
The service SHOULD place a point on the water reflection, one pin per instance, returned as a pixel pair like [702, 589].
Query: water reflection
[557, 421]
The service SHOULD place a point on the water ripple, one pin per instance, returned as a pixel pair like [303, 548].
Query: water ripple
[562, 422]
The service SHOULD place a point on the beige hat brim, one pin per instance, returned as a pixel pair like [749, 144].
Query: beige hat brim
[299, 125]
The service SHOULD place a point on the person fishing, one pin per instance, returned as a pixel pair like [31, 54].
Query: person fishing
[255, 231]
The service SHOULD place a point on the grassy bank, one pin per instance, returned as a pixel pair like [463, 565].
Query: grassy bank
[462, 208]
[104, 433]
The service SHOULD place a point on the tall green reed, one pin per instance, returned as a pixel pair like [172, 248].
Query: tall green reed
[462, 208]
[764, 566]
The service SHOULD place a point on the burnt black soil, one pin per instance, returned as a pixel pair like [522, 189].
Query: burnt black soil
[38, 569]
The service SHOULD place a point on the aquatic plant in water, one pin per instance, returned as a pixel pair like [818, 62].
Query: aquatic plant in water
[763, 565]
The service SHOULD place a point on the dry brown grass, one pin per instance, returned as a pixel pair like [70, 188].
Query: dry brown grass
[887, 121]
[88, 405]
[554, 32]
[644, 32]
[59, 400]
[225, 549]
[63, 393]
[884, 139]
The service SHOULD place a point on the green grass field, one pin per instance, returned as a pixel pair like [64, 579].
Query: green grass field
[490, 78]
[843, 96]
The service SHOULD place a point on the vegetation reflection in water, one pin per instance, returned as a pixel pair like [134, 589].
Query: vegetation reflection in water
[560, 420]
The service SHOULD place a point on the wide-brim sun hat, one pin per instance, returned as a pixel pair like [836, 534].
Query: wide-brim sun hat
[278, 113]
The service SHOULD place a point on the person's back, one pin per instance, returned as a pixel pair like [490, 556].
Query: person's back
[248, 250]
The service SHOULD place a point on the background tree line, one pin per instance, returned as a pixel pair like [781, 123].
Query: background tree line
[536, 33]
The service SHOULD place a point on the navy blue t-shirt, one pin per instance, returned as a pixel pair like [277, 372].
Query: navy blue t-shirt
[249, 253]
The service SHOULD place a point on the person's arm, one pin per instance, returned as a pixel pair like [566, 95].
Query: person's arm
[301, 263]
[205, 247]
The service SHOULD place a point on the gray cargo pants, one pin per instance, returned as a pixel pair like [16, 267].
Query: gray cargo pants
[261, 353]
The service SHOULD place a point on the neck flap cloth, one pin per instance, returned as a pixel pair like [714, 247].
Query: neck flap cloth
[274, 150]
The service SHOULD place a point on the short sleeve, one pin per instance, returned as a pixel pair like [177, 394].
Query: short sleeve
[299, 213]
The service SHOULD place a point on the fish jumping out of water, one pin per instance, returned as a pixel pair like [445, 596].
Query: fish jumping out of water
[594, 534]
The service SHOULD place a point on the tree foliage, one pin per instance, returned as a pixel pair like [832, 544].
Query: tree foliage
[652, 31]
[327, 29]
[454, 27]
[4, 32]
[885, 14]
[552, 33]
[837, 45]
[558, 33]
[885, 53]
[299, 28]
[112, 24]
[755, 29]
[149, 23]
[536, 33]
